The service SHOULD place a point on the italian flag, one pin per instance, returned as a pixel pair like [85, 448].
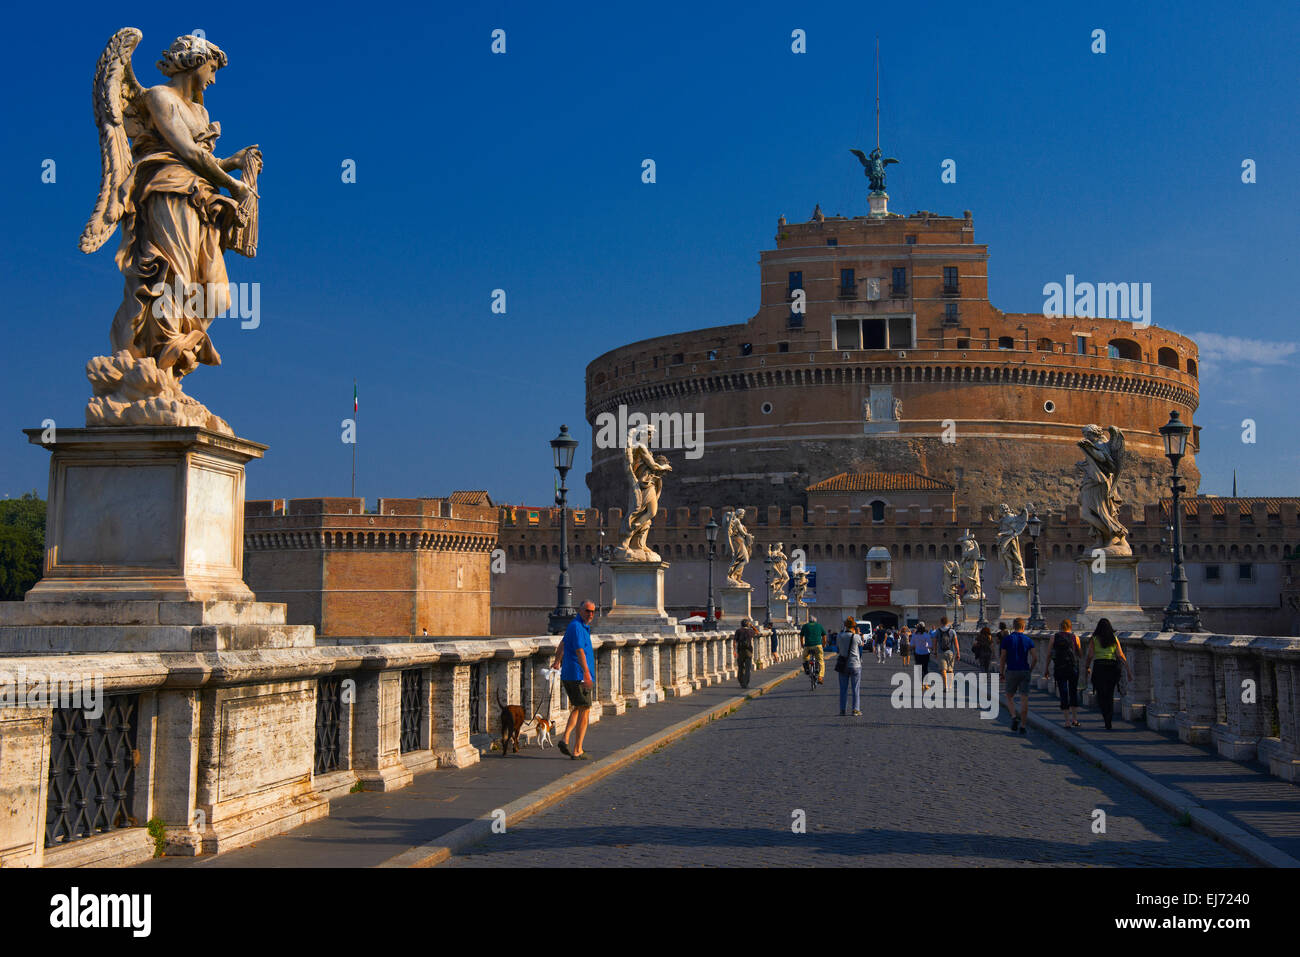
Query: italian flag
[354, 396]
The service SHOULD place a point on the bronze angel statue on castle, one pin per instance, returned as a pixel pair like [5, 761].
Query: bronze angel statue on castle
[162, 181]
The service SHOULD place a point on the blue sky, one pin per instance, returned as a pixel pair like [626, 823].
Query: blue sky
[522, 172]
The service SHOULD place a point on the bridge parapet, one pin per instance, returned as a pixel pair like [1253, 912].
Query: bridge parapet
[219, 749]
[1239, 694]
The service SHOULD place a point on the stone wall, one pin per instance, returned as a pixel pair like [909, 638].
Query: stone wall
[228, 747]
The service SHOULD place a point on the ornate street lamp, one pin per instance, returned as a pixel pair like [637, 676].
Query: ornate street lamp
[711, 533]
[980, 562]
[767, 589]
[1180, 614]
[1035, 527]
[603, 556]
[562, 447]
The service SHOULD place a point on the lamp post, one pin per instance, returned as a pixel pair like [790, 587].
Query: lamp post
[1180, 614]
[767, 589]
[980, 562]
[1035, 527]
[602, 558]
[711, 533]
[562, 448]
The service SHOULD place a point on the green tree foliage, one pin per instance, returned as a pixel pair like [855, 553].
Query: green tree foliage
[22, 544]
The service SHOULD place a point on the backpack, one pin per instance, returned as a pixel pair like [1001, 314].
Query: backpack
[1063, 655]
[946, 639]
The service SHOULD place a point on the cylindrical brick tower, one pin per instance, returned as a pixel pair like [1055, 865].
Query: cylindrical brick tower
[875, 349]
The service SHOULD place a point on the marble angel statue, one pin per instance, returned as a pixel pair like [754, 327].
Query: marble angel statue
[741, 542]
[1099, 499]
[647, 482]
[162, 182]
[1010, 528]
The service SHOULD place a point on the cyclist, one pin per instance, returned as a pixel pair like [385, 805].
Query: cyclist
[814, 642]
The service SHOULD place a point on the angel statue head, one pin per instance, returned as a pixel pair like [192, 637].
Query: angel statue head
[189, 53]
[195, 56]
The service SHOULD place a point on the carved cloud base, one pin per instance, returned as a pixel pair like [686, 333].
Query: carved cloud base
[129, 391]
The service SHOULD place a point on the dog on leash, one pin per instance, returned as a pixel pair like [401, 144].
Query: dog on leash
[544, 729]
[512, 722]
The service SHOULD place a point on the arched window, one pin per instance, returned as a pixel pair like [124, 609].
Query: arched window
[1044, 345]
[907, 551]
[1167, 357]
[1124, 349]
[1191, 367]
[877, 511]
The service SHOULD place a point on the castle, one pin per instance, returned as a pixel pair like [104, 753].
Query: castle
[875, 349]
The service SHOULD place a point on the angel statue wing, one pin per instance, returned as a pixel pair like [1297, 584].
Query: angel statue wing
[1116, 447]
[115, 93]
[862, 157]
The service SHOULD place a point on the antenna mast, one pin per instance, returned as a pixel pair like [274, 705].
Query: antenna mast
[877, 92]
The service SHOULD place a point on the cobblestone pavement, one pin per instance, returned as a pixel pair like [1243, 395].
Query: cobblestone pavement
[895, 787]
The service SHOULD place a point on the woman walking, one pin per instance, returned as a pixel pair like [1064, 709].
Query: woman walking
[1064, 661]
[983, 649]
[848, 645]
[1105, 650]
[905, 646]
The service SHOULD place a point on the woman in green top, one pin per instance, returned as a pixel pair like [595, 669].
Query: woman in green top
[1104, 656]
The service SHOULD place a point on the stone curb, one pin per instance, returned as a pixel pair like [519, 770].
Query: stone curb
[1204, 821]
[437, 851]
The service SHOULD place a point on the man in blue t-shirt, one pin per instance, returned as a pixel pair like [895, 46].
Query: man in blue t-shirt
[1017, 660]
[577, 661]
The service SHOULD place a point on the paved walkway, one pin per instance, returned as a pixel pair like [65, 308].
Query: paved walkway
[895, 787]
[1245, 794]
[366, 829]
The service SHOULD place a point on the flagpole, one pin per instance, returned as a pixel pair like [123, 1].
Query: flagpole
[354, 438]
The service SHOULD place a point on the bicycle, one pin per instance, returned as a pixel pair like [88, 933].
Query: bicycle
[810, 668]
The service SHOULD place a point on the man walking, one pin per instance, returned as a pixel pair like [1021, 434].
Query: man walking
[577, 660]
[949, 649]
[745, 637]
[1018, 659]
[814, 639]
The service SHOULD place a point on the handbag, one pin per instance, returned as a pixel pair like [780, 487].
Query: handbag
[842, 661]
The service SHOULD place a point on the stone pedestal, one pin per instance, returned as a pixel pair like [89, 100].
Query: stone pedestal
[1112, 594]
[878, 201]
[779, 609]
[1013, 602]
[735, 604]
[145, 549]
[638, 600]
[154, 514]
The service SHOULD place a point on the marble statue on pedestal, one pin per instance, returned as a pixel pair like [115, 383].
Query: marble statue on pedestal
[780, 577]
[741, 543]
[970, 569]
[1099, 499]
[799, 588]
[162, 181]
[952, 584]
[647, 481]
[1010, 528]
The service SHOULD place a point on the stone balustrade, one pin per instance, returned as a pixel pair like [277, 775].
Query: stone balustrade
[223, 748]
[1238, 694]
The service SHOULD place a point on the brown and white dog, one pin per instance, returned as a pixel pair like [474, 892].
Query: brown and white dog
[544, 729]
[512, 723]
